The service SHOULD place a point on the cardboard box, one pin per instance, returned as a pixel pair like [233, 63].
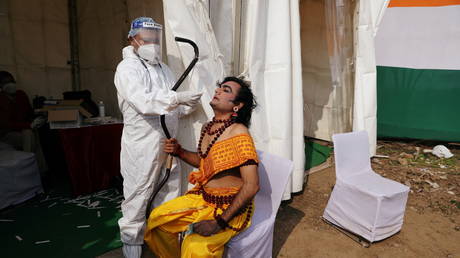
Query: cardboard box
[66, 114]
[64, 118]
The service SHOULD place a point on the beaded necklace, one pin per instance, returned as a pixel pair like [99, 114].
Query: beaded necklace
[218, 132]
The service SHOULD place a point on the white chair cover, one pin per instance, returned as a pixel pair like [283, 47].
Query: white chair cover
[19, 176]
[362, 201]
[257, 240]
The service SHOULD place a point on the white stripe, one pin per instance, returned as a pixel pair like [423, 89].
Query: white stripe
[420, 37]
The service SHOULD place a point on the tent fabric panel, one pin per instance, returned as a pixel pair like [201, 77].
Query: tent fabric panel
[223, 25]
[316, 72]
[327, 51]
[418, 103]
[35, 36]
[102, 30]
[6, 44]
[275, 73]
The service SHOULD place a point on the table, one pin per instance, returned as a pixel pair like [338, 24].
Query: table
[92, 155]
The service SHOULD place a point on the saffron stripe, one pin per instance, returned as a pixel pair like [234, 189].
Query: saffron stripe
[422, 3]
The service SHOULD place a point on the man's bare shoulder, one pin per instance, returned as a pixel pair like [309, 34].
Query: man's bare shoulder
[238, 129]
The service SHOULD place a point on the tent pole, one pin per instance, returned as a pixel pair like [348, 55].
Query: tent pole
[73, 35]
[237, 66]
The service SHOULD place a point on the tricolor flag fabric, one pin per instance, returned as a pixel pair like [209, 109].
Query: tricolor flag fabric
[418, 70]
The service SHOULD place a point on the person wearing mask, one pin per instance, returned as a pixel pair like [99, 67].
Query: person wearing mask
[143, 84]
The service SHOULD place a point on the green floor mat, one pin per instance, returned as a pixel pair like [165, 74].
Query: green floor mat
[57, 226]
[315, 154]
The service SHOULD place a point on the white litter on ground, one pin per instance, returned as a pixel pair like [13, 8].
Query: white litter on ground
[83, 226]
[434, 185]
[6, 220]
[18, 238]
[42, 242]
[98, 214]
[46, 199]
[440, 151]
[96, 208]
[94, 204]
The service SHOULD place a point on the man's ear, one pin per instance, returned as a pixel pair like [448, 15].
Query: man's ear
[133, 43]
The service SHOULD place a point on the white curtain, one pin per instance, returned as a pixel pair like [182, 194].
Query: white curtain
[327, 66]
[367, 19]
[272, 61]
[190, 19]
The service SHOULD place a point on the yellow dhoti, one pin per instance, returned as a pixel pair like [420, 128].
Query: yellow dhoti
[171, 218]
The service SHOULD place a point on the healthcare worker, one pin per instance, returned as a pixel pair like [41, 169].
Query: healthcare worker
[143, 84]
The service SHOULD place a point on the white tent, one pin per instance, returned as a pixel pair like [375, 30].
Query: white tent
[311, 63]
[270, 52]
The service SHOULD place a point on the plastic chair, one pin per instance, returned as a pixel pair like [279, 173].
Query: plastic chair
[257, 240]
[362, 201]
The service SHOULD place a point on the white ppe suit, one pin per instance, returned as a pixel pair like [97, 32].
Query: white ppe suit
[143, 95]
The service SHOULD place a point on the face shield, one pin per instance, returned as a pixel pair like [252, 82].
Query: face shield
[149, 38]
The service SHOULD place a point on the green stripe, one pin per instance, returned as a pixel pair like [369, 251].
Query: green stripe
[418, 103]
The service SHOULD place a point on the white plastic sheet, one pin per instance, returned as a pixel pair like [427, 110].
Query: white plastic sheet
[367, 19]
[190, 19]
[272, 61]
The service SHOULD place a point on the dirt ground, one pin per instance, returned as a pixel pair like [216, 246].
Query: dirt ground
[431, 223]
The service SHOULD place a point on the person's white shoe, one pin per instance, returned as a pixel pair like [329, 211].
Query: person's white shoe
[132, 251]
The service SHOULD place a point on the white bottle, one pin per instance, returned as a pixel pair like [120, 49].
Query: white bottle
[101, 109]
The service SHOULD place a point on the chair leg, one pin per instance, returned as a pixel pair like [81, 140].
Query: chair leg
[362, 241]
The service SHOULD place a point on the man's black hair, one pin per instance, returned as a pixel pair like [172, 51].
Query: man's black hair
[244, 96]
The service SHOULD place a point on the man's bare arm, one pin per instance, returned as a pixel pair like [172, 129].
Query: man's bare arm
[174, 148]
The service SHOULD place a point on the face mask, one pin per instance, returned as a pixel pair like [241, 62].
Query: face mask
[10, 88]
[150, 52]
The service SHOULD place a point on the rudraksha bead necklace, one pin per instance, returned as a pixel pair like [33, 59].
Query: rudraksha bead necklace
[218, 132]
[217, 121]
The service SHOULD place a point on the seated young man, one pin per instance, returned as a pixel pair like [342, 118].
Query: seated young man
[221, 203]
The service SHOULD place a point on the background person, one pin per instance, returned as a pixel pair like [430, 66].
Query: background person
[17, 119]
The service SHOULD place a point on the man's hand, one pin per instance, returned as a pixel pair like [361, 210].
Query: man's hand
[206, 227]
[172, 147]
